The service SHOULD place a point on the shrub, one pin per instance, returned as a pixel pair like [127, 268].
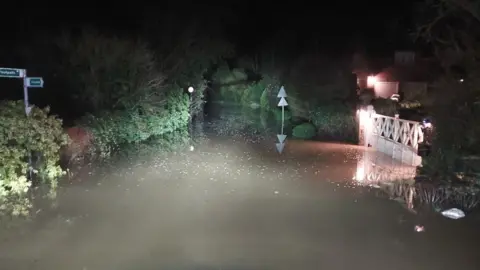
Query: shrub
[335, 122]
[41, 135]
[304, 131]
[386, 107]
[264, 102]
[112, 129]
[287, 115]
[109, 73]
[270, 86]
[366, 96]
[156, 145]
[298, 106]
[231, 84]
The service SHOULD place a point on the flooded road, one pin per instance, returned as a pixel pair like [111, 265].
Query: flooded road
[237, 205]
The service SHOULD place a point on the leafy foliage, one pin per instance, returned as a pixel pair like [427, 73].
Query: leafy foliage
[124, 88]
[335, 122]
[109, 73]
[232, 84]
[455, 104]
[39, 134]
[304, 131]
[385, 106]
[115, 128]
[286, 114]
[187, 52]
[156, 145]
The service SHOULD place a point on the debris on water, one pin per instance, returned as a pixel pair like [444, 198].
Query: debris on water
[419, 228]
[276, 192]
[374, 186]
[453, 213]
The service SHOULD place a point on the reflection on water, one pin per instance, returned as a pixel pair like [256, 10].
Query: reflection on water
[374, 167]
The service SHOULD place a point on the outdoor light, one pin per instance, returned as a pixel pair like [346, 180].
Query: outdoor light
[371, 80]
[190, 89]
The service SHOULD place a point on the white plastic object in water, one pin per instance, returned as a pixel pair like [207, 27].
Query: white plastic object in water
[453, 213]
[419, 228]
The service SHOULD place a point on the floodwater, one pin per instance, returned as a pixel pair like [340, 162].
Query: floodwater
[238, 205]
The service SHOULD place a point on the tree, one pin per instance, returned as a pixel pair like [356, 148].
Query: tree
[452, 29]
[187, 51]
[110, 73]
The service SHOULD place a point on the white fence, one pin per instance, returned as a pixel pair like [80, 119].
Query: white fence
[395, 137]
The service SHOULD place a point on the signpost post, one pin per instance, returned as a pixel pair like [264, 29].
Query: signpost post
[34, 82]
[190, 124]
[282, 94]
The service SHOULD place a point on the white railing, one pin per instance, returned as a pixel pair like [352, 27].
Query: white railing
[393, 136]
[407, 133]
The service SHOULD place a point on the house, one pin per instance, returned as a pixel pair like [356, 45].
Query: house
[407, 74]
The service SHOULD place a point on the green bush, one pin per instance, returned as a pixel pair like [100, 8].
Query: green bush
[304, 131]
[231, 83]
[108, 73]
[40, 135]
[287, 115]
[270, 87]
[385, 106]
[264, 102]
[335, 122]
[110, 130]
[156, 145]
[299, 106]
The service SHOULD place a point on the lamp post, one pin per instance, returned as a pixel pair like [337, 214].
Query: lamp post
[190, 91]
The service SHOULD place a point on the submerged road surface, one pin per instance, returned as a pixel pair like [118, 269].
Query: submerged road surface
[237, 205]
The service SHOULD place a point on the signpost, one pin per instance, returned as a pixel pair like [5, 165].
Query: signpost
[190, 124]
[12, 73]
[36, 82]
[282, 94]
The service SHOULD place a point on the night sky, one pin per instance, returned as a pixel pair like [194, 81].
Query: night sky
[377, 26]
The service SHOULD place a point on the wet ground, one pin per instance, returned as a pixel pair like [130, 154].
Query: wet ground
[238, 205]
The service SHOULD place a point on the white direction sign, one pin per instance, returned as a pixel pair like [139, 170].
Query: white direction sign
[34, 82]
[282, 93]
[12, 72]
[282, 103]
[280, 147]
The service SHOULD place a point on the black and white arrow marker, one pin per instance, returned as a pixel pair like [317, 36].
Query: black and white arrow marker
[282, 94]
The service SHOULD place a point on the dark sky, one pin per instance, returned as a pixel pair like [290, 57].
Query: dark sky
[373, 24]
